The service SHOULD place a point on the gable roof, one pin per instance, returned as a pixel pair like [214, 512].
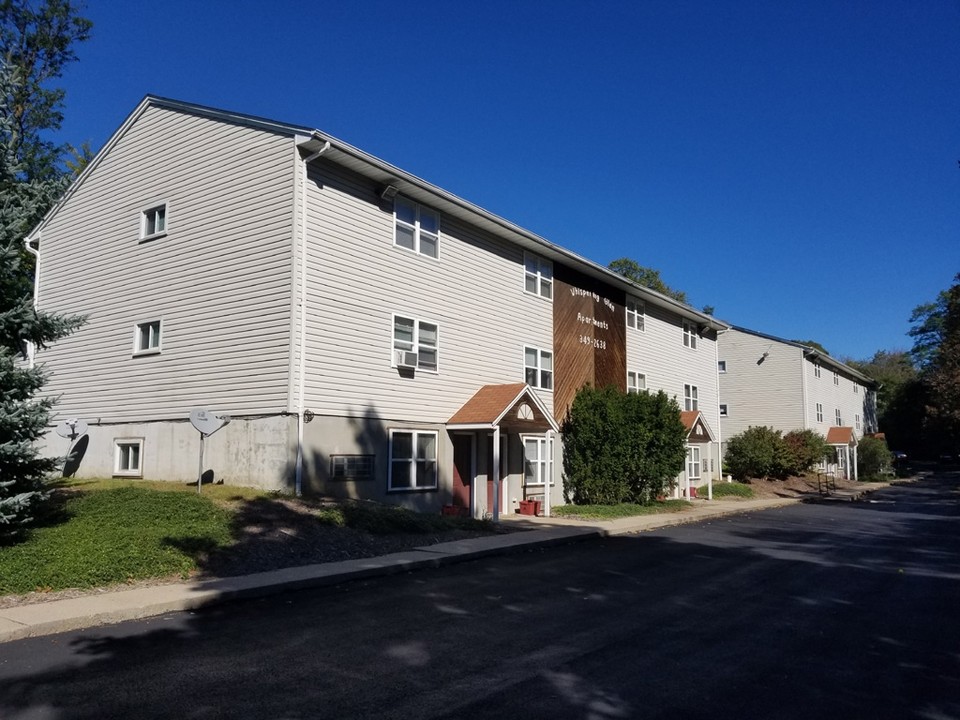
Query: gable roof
[841, 436]
[690, 419]
[380, 171]
[490, 405]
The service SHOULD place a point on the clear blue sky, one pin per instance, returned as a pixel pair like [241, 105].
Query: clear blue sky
[794, 165]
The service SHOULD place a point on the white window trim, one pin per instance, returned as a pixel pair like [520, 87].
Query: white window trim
[640, 379]
[541, 263]
[693, 398]
[127, 441]
[416, 340]
[416, 228]
[144, 214]
[539, 367]
[546, 463]
[819, 409]
[639, 314]
[724, 410]
[816, 369]
[838, 417]
[689, 334]
[836, 378]
[413, 460]
[137, 350]
[722, 367]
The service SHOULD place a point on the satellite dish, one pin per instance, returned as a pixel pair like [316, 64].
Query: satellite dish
[206, 422]
[71, 428]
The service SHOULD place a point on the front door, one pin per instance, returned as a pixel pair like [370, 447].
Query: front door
[462, 469]
[693, 465]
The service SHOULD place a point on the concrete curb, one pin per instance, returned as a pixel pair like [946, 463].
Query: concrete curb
[58, 616]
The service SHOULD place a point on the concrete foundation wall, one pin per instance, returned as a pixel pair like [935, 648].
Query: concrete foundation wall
[253, 452]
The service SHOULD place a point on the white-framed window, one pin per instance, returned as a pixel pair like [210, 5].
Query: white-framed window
[411, 335]
[839, 419]
[538, 368]
[721, 366]
[128, 457]
[416, 228]
[836, 378]
[537, 460]
[153, 222]
[819, 412]
[636, 382]
[413, 460]
[857, 421]
[636, 313]
[816, 369]
[146, 337]
[690, 399]
[856, 389]
[723, 410]
[538, 275]
[689, 335]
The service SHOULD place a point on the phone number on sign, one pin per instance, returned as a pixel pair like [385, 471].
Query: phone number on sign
[595, 342]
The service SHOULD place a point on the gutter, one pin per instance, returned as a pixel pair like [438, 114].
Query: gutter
[302, 341]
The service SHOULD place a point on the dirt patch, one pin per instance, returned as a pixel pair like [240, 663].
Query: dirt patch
[802, 487]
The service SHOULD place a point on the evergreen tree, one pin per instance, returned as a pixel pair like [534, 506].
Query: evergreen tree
[942, 374]
[35, 44]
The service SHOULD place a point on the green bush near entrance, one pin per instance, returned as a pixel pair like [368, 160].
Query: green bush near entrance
[621, 447]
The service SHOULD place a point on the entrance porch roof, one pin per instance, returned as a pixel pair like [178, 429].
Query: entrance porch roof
[514, 407]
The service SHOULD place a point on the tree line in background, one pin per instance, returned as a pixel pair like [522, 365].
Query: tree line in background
[36, 43]
[918, 403]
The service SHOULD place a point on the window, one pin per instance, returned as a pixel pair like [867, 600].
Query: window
[351, 467]
[538, 275]
[836, 378]
[839, 421]
[636, 382]
[537, 456]
[127, 457]
[723, 410]
[689, 335]
[857, 421]
[819, 412]
[416, 336]
[147, 337]
[538, 368]
[153, 223]
[856, 389]
[416, 228]
[413, 460]
[690, 397]
[635, 313]
[816, 369]
[721, 366]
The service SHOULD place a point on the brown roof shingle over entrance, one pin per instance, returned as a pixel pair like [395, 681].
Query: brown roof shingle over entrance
[491, 405]
[841, 436]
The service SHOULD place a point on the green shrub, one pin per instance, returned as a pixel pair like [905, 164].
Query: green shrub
[805, 448]
[725, 489]
[872, 458]
[757, 452]
[621, 447]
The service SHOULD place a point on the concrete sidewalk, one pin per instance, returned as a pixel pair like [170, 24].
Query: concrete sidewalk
[105, 608]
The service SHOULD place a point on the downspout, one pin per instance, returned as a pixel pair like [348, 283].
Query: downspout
[31, 348]
[301, 368]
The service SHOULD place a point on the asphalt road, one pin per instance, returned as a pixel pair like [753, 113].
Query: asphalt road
[841, 610]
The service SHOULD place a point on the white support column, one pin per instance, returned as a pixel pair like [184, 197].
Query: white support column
[856, 473]
[549, 478]
[495, 474]
[710, 474]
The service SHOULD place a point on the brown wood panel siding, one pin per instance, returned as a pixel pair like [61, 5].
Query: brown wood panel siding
[589, 336]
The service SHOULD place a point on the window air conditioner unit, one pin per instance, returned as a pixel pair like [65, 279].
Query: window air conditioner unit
[406, 359]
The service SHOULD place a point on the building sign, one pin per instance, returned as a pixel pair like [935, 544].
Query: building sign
[589, 336]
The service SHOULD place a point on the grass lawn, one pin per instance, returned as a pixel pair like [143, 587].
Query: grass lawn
[608, 512]
[117, 531]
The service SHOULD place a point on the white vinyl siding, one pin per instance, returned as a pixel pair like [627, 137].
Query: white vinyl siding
[470, 293]
[221, 282]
